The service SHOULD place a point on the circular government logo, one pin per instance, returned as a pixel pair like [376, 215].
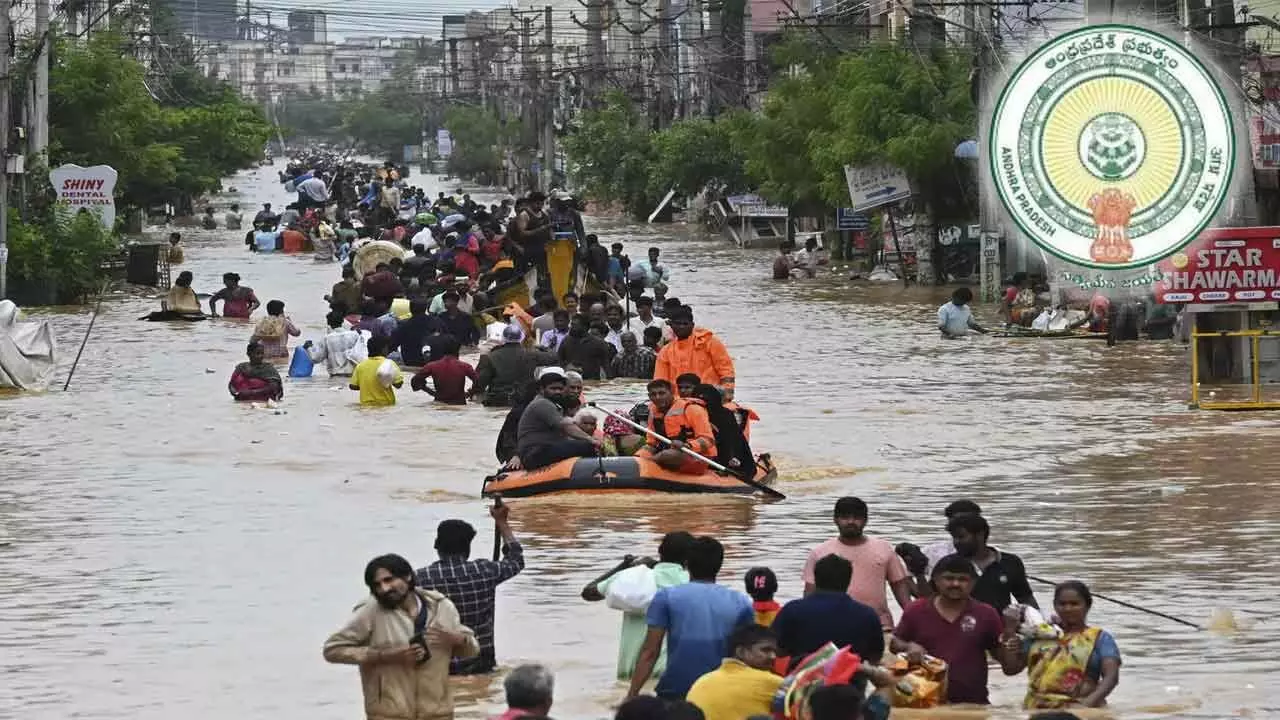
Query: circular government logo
[1112, 146]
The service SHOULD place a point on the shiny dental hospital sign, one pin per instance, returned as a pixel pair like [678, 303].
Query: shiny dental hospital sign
[1112, 147]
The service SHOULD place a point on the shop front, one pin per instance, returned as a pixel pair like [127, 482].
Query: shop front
[1228, 283]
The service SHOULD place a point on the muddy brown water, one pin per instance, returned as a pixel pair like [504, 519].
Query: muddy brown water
[165, 551]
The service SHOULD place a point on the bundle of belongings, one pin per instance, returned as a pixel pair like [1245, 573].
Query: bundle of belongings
[923, 686]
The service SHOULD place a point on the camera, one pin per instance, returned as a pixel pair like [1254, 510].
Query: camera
[420, 640]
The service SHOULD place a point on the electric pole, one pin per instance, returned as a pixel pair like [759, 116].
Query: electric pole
[549, 97]
[38, 121]
[4, 152]
[663, 66]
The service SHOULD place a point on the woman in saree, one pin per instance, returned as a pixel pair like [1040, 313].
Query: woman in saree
[256, 379]
[1079, 666]
[273, 331]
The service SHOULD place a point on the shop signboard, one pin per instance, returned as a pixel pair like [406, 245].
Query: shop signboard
[1224, 265]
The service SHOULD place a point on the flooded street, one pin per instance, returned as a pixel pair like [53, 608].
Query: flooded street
[166, 552]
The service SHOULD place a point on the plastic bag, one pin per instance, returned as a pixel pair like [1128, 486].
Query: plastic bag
[632, 590]
[359, 352]
[301, 365]
[387, 373]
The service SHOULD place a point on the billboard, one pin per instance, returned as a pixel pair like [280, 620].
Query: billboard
[1224, 265]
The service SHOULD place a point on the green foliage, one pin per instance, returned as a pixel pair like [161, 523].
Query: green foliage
[184, 139]
[612, 155]
[100, 112]
[824, 110]
[301, 116]
[64, 250]
[702, 152]
[381, 124]
[480, 137]
[890, 104]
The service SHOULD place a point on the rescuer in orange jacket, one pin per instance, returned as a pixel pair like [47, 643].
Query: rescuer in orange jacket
[684, 423]
[694, 350]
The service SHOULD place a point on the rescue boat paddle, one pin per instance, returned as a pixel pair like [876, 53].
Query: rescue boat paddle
[712, 463]
[1122, 603]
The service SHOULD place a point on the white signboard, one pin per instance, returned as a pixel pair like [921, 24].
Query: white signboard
[871, 187]
[444, 143]
[87, 188]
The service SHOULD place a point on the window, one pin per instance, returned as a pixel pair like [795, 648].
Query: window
[342, 67]
[355, 67]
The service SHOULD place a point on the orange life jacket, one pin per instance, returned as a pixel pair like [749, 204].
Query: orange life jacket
[684, 421]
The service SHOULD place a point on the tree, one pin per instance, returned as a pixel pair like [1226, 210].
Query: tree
[611, 151]
[797, 114]
[480, 137]
[898, 106]
[183, 140]
[702, 152]
[100, 112]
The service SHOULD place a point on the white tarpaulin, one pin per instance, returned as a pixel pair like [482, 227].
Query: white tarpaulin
[26, 351]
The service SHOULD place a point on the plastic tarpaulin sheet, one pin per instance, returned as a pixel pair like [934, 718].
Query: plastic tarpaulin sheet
[27, 351]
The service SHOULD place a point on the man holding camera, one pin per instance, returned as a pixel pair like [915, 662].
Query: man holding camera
[402, 638]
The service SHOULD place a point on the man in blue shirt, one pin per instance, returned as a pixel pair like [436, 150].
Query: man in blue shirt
[829, 615]
[265, 238]
[696, 619]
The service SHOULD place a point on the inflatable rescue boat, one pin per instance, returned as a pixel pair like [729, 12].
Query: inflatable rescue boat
[617, 474]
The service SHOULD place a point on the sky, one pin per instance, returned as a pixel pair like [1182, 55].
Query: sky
[415, 18]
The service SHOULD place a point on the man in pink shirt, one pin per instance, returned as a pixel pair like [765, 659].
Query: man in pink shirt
[875, 564]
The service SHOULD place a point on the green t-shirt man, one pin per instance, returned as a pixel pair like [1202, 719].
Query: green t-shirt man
[634, 627]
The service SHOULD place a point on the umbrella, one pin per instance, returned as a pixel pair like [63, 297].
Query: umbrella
[967, 150]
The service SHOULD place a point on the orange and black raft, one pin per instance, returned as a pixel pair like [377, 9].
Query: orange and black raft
[617, 474]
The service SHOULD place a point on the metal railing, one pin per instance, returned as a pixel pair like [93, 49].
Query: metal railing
[1252, 399]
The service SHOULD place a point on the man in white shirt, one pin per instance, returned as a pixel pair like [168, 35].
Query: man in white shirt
[340, 349]
[613, 318]
[644, 317]
[808, 259]
[313, 192]
[426, 239]
[955, 319]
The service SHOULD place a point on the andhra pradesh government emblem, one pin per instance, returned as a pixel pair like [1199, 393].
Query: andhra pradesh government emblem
[1112, 146]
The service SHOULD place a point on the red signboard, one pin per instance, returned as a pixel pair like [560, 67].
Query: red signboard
[1224, 265]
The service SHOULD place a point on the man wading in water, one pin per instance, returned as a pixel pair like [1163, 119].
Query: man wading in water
[532, 233]
[472, 584]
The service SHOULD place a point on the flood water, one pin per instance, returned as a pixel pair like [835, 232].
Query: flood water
[166, 552]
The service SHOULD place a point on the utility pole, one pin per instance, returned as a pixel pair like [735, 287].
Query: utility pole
[748, 57]
[453, 63]
[595, 47]
[549, 97]
[713, 51]
[662, 64]
[4, 152]
[39, 112]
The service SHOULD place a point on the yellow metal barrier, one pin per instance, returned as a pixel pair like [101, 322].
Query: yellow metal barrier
[1254, 399]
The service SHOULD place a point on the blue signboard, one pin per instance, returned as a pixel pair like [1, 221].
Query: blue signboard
[847, 219]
